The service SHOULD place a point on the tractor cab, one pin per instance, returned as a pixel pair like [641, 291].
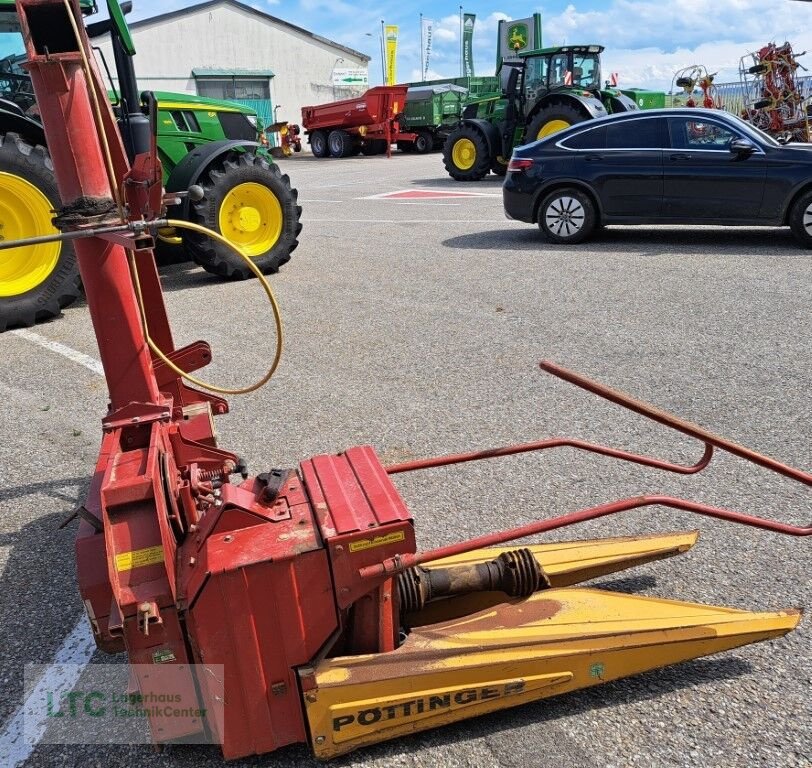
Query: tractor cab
[557, 69]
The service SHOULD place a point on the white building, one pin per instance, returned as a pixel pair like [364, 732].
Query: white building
[228, 50]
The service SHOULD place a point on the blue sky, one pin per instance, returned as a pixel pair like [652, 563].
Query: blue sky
[646, 40]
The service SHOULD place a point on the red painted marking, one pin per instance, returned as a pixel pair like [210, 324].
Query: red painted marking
[425, 194]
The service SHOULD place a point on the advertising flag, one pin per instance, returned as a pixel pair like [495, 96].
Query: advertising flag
[428, 31]
[469, 20]
[391, 35]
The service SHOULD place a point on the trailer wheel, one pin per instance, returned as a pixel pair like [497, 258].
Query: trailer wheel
[423, 142]
[318, 144]
[405, 146]
[35, 282]
[552, 119]
[466, 155]
[341, 143]
[251, 203]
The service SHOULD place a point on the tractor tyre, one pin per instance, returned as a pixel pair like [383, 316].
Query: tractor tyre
[498, 167]
[552, 119]
[340, 143]
[423, 142]
[318, 144]
[38, 281]
[251, 203]
[466, 155]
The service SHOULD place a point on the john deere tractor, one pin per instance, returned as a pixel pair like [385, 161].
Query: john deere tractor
[543, 91]
[207, 145]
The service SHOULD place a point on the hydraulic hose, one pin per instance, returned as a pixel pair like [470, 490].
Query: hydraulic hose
[188, 225]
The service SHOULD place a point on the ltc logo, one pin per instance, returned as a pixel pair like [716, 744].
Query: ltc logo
[518, 35]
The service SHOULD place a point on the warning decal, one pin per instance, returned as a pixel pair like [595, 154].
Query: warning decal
[138, 558]
[378, 541]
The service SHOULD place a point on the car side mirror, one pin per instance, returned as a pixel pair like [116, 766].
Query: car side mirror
[742, 147]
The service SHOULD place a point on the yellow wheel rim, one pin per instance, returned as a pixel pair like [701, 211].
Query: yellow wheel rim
[463, 153]
[251, 217]
[25, 212]
[551, 127]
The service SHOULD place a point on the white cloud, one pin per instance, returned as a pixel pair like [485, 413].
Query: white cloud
[647, 41]
[678, 24]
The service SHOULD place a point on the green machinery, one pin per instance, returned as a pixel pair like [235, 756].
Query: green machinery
[542, 91]
[431, 112]
[211, 158]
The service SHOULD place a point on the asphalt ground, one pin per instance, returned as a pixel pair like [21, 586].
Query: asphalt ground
[416, 326]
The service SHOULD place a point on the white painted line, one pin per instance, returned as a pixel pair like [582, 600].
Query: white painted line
[416, 221]
[440, 193]
[54, 346]
[27, 725]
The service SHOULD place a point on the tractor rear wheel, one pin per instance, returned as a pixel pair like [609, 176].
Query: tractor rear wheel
[37, 281]
[318, 144]
[340, 143]
[552, 119]
[251, 203]
[465, 155]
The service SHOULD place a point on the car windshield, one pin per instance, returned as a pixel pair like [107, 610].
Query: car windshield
[754, 132]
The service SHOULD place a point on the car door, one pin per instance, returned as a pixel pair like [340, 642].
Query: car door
[703, 179]
[623, 162]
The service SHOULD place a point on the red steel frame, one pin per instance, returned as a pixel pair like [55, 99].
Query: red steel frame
[176, 563]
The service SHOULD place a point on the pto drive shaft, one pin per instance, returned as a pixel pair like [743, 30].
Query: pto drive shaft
[517, 573]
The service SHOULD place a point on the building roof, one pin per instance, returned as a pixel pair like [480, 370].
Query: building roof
[247, 9]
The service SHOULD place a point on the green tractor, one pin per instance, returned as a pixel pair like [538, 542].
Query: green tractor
[543, 91]
[205, 145]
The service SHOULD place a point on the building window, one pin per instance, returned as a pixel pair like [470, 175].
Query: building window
[234, 88]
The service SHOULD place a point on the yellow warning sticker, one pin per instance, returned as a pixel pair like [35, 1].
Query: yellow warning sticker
[138, 558]
[379, 541]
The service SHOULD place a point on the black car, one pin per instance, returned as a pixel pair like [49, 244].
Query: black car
[663, 166]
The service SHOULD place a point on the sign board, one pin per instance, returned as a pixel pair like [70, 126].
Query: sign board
[351, 78]
[518, 35]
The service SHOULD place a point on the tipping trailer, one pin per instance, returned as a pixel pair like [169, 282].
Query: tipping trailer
[431, 113]
[368, 123]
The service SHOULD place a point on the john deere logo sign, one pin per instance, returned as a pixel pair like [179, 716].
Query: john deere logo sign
[518, 35]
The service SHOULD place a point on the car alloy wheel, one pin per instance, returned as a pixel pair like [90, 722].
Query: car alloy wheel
[808, 220]
[568, 216]
[565, 216]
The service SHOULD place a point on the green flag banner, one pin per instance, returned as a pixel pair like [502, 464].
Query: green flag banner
[468, 21]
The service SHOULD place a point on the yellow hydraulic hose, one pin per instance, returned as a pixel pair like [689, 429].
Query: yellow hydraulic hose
[268, 292]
